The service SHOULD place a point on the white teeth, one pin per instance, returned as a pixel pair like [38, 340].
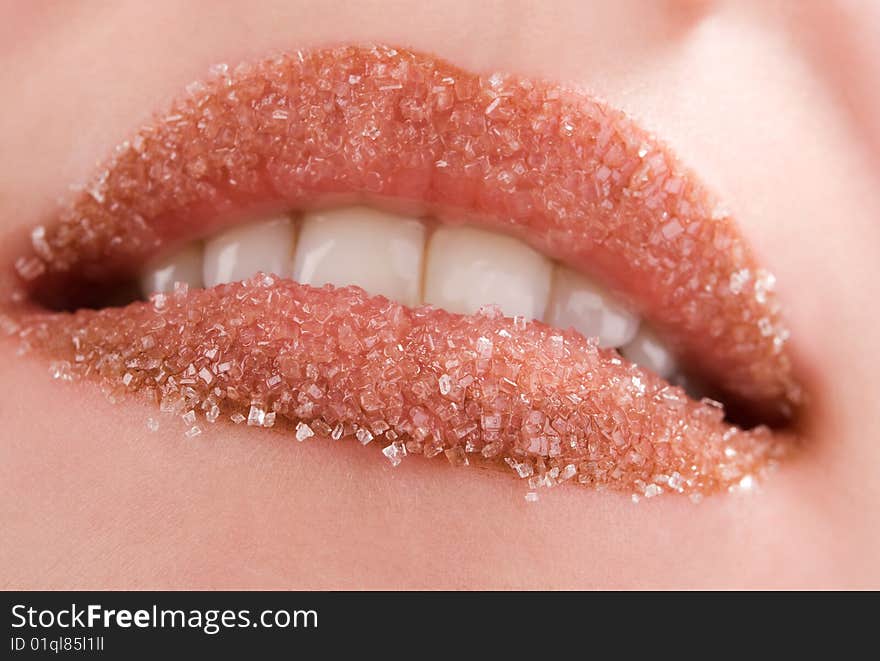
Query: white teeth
[580, 303]
[460, 270]
[380, 252]
[185, 265]
[649, 352]
[239, 253]
[467, 268]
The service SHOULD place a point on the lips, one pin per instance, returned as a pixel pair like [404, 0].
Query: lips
[575, 179]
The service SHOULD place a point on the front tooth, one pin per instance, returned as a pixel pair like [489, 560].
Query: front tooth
[378, 251]
[648, 351]
[578, 302]
[467, 268]
[185, 265]
[239, 253]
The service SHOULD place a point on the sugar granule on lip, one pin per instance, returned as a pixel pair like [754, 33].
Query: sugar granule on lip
[549, 408]
[587, 185]
[395, 453]
[303, 432]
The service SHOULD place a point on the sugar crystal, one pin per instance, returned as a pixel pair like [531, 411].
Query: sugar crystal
[395, 452]
[256, 416]
[363, 435]
[303, 432]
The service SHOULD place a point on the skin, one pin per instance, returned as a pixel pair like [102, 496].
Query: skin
[774, 104]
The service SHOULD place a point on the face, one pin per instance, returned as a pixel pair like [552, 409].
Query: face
[764, 111]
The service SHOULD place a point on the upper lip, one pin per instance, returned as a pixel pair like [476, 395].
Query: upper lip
[576, 179]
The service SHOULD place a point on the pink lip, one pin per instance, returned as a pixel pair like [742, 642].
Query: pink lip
[576, 179]
[487, 389]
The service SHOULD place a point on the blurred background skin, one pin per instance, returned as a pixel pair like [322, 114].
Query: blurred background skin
[775, 104]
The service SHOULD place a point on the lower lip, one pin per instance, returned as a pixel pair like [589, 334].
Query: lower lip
[546, 404]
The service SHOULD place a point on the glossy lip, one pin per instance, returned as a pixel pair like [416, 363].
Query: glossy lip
[576, 179]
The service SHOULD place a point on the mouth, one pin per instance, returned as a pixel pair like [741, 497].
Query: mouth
[369, 243]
